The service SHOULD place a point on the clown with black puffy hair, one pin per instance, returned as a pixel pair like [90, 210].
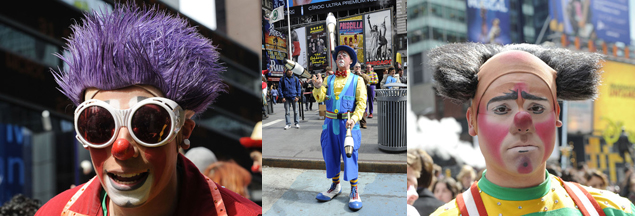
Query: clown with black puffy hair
[514, 92]
[344, 95]
[137, 76]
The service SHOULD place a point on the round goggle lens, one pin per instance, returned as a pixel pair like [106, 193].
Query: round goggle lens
[151, 123]
[96, 125]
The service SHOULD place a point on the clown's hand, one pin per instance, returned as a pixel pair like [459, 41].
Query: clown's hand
[317, 82]
[350, 123]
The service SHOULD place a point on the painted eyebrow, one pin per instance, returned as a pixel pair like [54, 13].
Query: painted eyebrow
[513, 95]
[531, 97]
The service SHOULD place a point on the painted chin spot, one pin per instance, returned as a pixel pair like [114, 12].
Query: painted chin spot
[524, 165]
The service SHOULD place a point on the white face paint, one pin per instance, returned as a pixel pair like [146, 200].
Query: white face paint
[341, 63]
[128, 198]
[115, 103]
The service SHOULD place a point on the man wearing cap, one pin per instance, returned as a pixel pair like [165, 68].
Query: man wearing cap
[343, 93]
[514, 90]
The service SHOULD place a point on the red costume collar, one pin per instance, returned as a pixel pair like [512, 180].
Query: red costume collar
[194, 197]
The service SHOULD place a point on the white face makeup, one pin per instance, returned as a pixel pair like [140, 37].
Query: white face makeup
[138, 180]
[343, 59]
[129, 196]
[115, 103]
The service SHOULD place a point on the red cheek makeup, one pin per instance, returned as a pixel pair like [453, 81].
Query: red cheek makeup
[157, 157]
[492, 133]
[546, 130]
[99, 156]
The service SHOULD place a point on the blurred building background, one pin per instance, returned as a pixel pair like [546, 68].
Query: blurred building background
[591, 127]
[39, 156]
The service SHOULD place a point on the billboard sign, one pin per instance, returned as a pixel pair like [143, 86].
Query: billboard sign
[300, 9]
[15, 161]
[351, 33]
[613, 107]
[276, 47]
[293, 3]
[604, 19]
[378, 38]
[316, 39]
[488, 21]
[298, 46]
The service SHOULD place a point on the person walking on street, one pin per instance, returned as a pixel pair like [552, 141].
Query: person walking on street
[357, 70]
[344, 95]
[290, 91]
[274, 94]
[391, 77]
[308, 86]
[402, 78]
[371, 89]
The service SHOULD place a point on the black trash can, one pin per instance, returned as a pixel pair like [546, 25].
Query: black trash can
[391, 107]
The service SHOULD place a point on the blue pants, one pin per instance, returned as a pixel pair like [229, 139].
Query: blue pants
[290, 102]
[370, 92]
[333, 149]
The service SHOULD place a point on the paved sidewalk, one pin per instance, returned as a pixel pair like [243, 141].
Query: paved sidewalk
[300, 148]
[293, 191]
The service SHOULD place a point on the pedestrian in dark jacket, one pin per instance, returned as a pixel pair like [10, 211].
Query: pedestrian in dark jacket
[290, 91]
[420, 166]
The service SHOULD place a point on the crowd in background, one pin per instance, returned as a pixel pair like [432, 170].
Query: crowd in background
[429, 187]
[272, 90]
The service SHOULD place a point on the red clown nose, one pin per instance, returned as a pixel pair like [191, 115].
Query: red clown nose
[522, 122]
[122, 150]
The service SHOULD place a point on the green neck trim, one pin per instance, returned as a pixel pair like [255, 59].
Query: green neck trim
[103, 203]
[514, 194]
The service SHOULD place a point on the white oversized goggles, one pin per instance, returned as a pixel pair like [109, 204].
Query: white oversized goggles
[151, 122]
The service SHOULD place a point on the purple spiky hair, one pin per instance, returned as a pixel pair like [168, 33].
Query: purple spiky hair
[141, 46]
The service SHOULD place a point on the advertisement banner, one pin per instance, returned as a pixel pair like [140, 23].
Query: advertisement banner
[15, 161]
[351, 33]
[316, 39]
[613, 109]
[488, 21]
[298, 47]
[304, 2]
[278, 3]
[591, 19]
[326, 6]
[276, 47]
[378, 32]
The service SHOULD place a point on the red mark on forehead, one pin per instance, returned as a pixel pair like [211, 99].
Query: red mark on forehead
[546, 130]
[493, 134]
[520, 87]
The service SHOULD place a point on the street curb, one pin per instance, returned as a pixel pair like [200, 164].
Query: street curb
[306, 163]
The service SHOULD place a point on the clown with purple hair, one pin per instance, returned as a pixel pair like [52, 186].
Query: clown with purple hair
[137, 76]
